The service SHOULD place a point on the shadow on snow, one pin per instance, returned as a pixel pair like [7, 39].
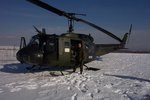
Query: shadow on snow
[22, 68]
[53, 70]
[14, 68]
[129, 77]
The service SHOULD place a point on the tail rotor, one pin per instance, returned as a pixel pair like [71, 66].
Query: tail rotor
[129, 33]
[126, 37]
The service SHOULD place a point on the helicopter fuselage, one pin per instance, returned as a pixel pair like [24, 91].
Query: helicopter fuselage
[55, 50]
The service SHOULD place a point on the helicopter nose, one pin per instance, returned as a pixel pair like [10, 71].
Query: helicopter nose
[20, 56]
[29, 56]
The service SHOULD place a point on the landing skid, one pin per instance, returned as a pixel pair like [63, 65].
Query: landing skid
[29, 69]
[91, 68]
[60, 72]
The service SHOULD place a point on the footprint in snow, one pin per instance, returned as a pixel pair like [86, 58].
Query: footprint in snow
[74, 97]
[1, 91]
[97, 90]
[44, 93]
[84, 88]
[109, 85]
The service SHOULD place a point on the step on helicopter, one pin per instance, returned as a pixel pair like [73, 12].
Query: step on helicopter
[58, 50]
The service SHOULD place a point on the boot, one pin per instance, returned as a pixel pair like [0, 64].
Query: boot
[74, 69]
[81, 69]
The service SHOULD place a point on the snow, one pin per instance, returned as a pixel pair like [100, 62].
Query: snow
[122, 76]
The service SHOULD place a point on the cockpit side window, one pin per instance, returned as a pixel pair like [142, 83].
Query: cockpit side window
[38, 41]
[50, 45]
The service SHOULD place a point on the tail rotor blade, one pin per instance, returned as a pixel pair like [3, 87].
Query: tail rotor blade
[130, 29]
[129, 33]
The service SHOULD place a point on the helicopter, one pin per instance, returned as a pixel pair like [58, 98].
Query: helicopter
[57, 50]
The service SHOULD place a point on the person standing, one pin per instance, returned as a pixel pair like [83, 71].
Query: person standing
[79, 58]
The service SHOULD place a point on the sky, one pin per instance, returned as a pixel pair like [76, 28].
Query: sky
[17, 18]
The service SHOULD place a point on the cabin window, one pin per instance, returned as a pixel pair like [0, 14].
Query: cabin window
[67, 44]
[67, 47]
[50, 46]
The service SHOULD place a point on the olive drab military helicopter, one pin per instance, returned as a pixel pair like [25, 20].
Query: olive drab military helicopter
[58, 50]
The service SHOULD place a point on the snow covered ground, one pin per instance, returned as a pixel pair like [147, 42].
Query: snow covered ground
[123, 76]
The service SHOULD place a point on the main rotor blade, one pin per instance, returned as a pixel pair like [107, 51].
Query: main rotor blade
[130, 29]
[49, 8]
[70, 16]
[100, 29]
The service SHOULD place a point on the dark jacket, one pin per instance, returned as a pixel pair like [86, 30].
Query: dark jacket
[79, 55]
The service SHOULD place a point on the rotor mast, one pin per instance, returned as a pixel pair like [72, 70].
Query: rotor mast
[71, 21]
[70, 25]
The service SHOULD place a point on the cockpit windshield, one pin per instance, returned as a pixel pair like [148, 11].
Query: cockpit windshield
[34, 41]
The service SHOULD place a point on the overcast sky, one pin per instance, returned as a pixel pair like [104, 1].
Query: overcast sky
[17, 18]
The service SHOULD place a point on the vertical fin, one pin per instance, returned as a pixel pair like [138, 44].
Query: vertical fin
[126, 37]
